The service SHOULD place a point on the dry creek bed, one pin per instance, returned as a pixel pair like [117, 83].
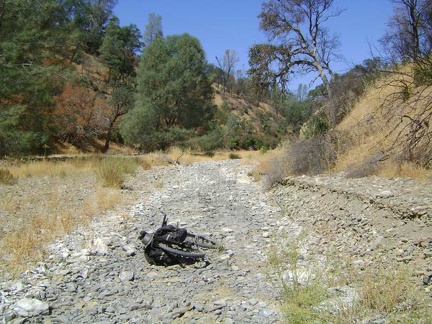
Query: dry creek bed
[100, 275]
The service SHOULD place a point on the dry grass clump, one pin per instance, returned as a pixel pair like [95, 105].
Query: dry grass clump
[6, 177]
[111, 172]
[392, 293]
[50, 200]
[31, 223]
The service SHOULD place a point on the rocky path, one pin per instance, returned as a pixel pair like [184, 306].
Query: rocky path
[100, 275]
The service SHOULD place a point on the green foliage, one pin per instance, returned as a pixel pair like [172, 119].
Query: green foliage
[314, 127]
[118, 49]
[37, 38]
[174, 92]
[294, 111]
[209, 142]
[423, 71]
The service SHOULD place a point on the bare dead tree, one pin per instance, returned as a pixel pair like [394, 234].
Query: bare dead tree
[299, 41]
[227, 65]
[409, 33]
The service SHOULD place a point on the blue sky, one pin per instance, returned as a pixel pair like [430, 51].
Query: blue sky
[233, 24]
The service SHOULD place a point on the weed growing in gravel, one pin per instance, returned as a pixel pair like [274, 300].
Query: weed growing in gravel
[314, 294]
[302, 290]
[392, 293]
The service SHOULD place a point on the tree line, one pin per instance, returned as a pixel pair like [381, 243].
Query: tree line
[69, 72]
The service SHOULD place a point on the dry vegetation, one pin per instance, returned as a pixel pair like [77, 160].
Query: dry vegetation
[316, 295]
[387, 133]
[46, 199]
[380, 127]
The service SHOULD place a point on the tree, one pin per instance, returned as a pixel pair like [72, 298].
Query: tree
[409, 36]
[173, 94]
[122, 100]
[227, 65]
[29, 78]
[93, 21]
[301, 42]
[153, 29]
[118, 50]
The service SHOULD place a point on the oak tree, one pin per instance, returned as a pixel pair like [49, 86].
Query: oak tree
[299, 41]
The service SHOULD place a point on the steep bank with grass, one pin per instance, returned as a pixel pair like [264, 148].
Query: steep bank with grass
[388, 131]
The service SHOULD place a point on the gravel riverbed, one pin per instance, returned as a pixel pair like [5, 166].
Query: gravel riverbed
[100, 275]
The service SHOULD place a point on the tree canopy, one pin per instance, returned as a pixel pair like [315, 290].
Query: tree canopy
[173, 93]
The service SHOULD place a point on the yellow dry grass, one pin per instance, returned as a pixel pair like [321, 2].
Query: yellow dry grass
[374, 125]
[51, 199]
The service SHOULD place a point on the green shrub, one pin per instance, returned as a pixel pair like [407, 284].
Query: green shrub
[6, 177]
[314, 127]
[423, 71]
[209, 142]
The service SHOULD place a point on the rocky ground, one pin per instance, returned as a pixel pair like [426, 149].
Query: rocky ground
[100, 275]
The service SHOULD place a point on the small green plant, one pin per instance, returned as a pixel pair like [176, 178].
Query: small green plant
[302, 290]
[7, 178]
[317, 293]
[111, 172]
[406, 92]
[314, 127]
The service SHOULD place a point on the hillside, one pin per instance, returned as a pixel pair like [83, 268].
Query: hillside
[255, 125]
[388, 131]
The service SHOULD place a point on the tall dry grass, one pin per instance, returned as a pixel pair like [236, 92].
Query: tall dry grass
[47, 199]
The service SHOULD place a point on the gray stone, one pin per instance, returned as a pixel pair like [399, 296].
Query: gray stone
[126, 276]
[130, 250]
[28, 307]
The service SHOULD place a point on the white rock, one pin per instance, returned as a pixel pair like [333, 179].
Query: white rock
[99, 246]
[130, 250]
[126, 276]
[28, 307]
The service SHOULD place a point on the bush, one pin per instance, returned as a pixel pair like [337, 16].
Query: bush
[314, 127]
[7, 178]
[209, 142]
[234, 156]
[312, 156]
[423, 71]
